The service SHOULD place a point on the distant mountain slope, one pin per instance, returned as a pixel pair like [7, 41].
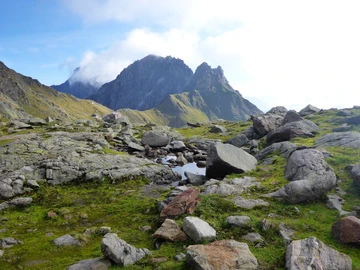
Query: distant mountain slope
[145, 83]
[76, 88]
[22, 96]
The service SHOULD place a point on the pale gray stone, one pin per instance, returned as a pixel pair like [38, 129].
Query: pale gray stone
[238, 221]
[198, 230]
[66, 240]
[249, 203]
[91, 264]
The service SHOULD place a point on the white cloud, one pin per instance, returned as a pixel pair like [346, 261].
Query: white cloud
[289, 53]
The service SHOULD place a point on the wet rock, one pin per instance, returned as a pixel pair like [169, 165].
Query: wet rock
[66, 240]
[120, 252]
[249, 203]
[224, 254]
[238, 221]
[91, 264]
[186, 202]
[238, 141]
[195, 179]
[155, 139]
[311, 253]
[223, 159]
[344, 139]
[311, 177]
[347, 230]
[303, 129]
[198, 230]
[264, 124]
[309, 109]
[170, 231]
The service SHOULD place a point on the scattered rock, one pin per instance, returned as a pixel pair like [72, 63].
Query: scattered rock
[198, 230]
[285, 149]
[355, 174]
[158, 260]
[223, 159]
[345, 139]
[238, 221]
[355, 120]
[311, 253]
[91, 264]
[51, 215]
[1, 253]
[249, 203]
[224, 254]
[155, 139]
[104, 230]
[291, 116]
[176, 191]
[286, 233]
[303, 129]
[177, 146]
[217, 129]
[112, 117]
[238, 141]
[342, 128]
[347, 230]
[170, 231]
[120, 252]
[9, 242]
[230, 186]
[186, 202]
[309, 109]
[146, 228]
[281, 110]
[179, 257]
[253, 238]
[32, 184]
[195, 179]
[264, 124]
[336, 202]
[66, 240]
[136, 147]
[18, 202]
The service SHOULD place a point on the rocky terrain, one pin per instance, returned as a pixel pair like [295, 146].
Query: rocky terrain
[279, 191]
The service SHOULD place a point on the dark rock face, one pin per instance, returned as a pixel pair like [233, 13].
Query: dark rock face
[311, 253]
[145, 83]
[303, 128]
[311, 177]
[291, 116]
[77, 88]
[346, 139]
[347, 230]
[238, 141]
[224, 254]
[284, 148]
[155, 139]
[355, 174]
[223, 159]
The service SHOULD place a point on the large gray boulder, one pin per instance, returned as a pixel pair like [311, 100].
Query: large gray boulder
[223, 159]
[344, 139]
[311, 177]
[198, 230]
[224, 255]
[291, 116]
[18, 202]
[311, 253]
[282, 148]
[155, 139]
[238, 141]
[91, 264]
[264, 124]
[303, 128]
[120, 252]
[309, 109]
[280, 110]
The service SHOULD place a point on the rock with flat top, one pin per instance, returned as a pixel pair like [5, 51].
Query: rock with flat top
[91, 264]
[170, 231]
[198, 230]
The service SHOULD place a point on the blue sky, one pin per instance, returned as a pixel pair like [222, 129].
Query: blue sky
[279, 52]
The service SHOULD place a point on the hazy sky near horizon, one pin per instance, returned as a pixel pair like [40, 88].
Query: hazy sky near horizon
[279, 52]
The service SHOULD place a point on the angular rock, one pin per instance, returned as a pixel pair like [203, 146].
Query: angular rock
[136, 147]
[223, 159]
[311, 253]
[198, 230]
[66, 240]
[169, 197]
[284, 148]
[170, 231]
[291, 116]
[120, 252]
[238, 141]
[217, 129]
[224, 255]
[230, 186]
[9, 242]
[186, 202]
[286, 233]
[18, 202]
[91, 264]
[347, 230]
[342, 128]
[36, 122]
[253, 238]
[238, 221]
[335, 202]
[344, 139]
[177, 146]
[264, 124]
[195, 179]
[309, 109]
[249, 203]
[112, 117]
[281, 110]
[355, 120]
[303, 129]
[155, 139]
[32, 184]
